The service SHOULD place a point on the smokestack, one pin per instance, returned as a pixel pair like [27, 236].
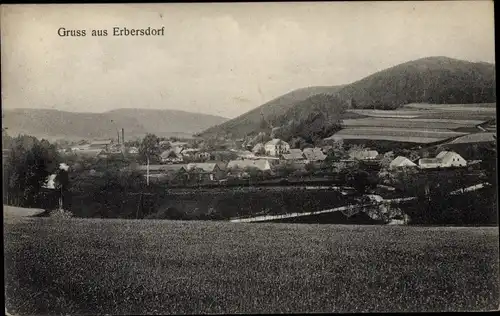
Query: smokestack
[118, 133]
[123, 135]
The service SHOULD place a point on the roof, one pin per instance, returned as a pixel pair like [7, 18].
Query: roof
[101, 142]
[445, 155]
[429, 160]
[205, 166]
[261, 164]
[276, 141]
[398, 161]
[164, 168]
[294, 154]
[88, 152]
[190, 150]
[174, 144]
[258, 147]
[169, 154]
[364, 154]
[314, 154]
[442, 154]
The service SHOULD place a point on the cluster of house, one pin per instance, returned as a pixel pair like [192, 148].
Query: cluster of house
[445, 159]
[103, 149]
[264, 156]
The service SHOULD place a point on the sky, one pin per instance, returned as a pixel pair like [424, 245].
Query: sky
[221, 58]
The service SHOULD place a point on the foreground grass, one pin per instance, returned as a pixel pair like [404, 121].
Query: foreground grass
[147, 267]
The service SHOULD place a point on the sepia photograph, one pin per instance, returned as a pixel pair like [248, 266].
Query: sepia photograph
[247, 158]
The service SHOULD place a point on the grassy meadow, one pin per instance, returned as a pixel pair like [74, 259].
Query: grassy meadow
[161, 267]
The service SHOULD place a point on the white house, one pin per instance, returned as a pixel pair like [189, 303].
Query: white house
[429, 163]
[100, 144]
[444, 159]
[202, 155]
[261, 164]
[451, 159]
[276, 147]
[363, 154]
[400, 162]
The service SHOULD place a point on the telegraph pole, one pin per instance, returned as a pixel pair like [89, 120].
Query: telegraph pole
[147, 171]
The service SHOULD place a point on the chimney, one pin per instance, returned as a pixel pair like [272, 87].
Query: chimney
[117, 132]
[123, 141]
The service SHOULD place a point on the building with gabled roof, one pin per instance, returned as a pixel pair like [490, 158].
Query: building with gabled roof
[293, 154]
[363, 154]
[276, 147]
[451, 159]
[314, 154]
[261, 164]
[401, 162]
[171, 156]
[207, 170]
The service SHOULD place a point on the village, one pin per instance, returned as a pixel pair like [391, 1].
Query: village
[194, 161]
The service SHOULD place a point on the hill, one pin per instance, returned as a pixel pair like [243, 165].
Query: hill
[53, 124]
[430, 80]
[250, 122]
[439, 80]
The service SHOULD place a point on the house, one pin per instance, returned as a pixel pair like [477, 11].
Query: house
[258, 148]
[88, 153]
[444, 159]
[133, 150]
[153, 169]
[50, 182]
[100, 144]
[401, 162]
[293, 155]
[363, 154]
[245, 154]
[170, 156]
[5, 153]
[429, 163]
[451, 159]
[276, 147]
[165, 172]
[314, 154]
[189, 152]
[164, 144]
[202, 155]
[178, 146]
[260, 164]
[207, 170]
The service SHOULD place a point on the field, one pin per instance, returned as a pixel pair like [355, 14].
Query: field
[420, 135]
[411, 123]
[417, 123]
[163, 267]
[474, 138]
[415, 140]
[477, 107]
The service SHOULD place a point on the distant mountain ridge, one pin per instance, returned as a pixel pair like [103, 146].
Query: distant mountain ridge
[52, 124]
[426, 80]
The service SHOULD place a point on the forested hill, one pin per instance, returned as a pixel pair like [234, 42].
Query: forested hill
[427, 80]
